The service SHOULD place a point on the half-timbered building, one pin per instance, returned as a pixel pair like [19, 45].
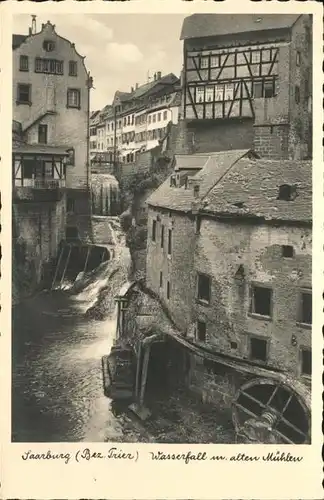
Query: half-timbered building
[247, 82]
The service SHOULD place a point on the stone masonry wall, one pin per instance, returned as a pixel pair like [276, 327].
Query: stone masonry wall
[38, 229]
[176, 268]
[220, 249]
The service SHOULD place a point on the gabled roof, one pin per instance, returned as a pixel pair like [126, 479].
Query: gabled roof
[212, 167]
[17, 40]
[204, 25]
[254, 186]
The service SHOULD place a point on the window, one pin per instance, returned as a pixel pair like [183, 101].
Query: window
[255, 57]
[169, 241]
[257, 89]
[149, 119]
[287, 192]
[162, 236]
[48, 45]
[51, 66]
[23, 93]
[161, 279]
[23, 63]
[159, 117]
[73, 98]
[154, 118]
[201, 330]
[261, 301]
[305, 307]
[125, 121]
[112, 126]
[306, 361]
[70, 205]
[198, 224]
[297, 58]
[153, 230]
[297, 94]
[28, 169]
[204, 62]
[165, 115]
[71, 232]
[42, 134]
[287, 251]
[168, 289]
[209, 95]
[73, 68]
[203, 288]
[258, 349]
[71, 156]
[200, 94]
[219, 92]
[214, 61]
[268, 89]
[229, 92]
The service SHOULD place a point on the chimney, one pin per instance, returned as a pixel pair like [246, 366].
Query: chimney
[132, 89]
[136, 86]
[158, 75]
[33, 26]
[154, 76]
[29, 31]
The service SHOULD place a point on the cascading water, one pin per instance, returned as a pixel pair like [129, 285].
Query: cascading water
[58, 342]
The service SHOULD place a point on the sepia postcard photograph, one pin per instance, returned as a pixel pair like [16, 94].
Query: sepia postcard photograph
[162, 249]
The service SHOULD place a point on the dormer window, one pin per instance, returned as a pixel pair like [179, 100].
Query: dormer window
[287, 192]
[48, 45]
[173, 181]
[196, 191]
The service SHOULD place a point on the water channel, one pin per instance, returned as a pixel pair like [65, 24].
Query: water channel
[57, 384]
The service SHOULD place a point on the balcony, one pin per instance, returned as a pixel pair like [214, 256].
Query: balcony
[38, 190]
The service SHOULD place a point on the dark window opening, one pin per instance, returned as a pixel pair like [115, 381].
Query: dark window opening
[23, 63]
[268, 89]
[258, 349]
[162, 236]
[23, 94]
[42, 134]
[73, 98]
[203, 288]
[287, 251]
[169, 241]
[287, 192]
[198, 224]
[297, 58]
[168, 289]
[233, 345]
[48, 45]
[73, 68]
[257, 90]
[196, 191]
[70, 205]
[306, 362]
[71, 232]
[28, 169]
[201, 331]
[297, 94]
[173, 181]
[305, 311]
[161, 279]
[154, 230]
[261, 298]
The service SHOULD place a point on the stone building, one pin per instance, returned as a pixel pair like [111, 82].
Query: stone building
[51, 88]
[137, 120]
[247, 83]
[229, 252]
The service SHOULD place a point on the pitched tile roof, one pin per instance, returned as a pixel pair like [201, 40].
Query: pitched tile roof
[254, 186]
[17, 40]
[203, 25]
[212, 167]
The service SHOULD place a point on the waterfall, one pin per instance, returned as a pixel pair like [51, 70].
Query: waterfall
[105, 194]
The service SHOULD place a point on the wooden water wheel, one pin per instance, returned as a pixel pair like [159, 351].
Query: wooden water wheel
[271, 411]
